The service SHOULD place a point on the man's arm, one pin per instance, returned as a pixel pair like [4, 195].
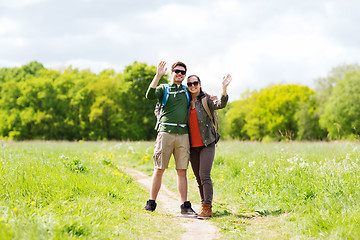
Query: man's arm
[161, 70]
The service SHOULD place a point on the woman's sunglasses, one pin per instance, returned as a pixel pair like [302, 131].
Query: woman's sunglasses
[195, 83]
[179, 71]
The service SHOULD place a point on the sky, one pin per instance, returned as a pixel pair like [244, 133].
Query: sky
[258, 42]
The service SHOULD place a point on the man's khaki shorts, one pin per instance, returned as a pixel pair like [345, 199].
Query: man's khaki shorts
[171, 143]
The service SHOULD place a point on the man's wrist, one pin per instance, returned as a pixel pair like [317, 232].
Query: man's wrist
[157, 75]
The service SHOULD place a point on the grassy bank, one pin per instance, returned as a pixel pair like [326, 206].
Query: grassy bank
[296, 190]
[60, 190]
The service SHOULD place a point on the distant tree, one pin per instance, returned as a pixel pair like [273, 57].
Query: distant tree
[10, 115]
[19, 74]
[105, 116]
[342, 112]
[32, 68]
[136, 110]
[324, 85]
[274, 112]
[39, 103]
[307, 119]
[235, 118]
[79, 85]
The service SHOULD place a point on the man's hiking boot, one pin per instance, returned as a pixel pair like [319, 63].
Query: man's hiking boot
[150, 205]
[206, 211]
[187, 210]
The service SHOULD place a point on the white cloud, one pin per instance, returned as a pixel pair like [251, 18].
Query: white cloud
[177, 19]
[119, 33]
[9, 64]
[9, 27]
[258, 42]
[82, 64]
[228, 6]
[19, 3]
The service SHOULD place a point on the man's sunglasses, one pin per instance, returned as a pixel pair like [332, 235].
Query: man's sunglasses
[193, 83]
[183, 72]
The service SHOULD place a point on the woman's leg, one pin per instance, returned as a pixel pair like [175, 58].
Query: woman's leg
[195, 165]
[207, 155]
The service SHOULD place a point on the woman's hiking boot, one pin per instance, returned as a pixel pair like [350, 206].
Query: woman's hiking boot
[206, 211]
[187, 210]
[150, 205]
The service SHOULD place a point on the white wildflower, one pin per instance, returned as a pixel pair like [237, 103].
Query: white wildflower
[251, 163]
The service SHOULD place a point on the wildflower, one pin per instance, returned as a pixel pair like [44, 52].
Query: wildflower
[251, 163]
[15, 209]
[32, 203]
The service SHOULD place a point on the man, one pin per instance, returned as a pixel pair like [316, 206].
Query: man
[172, 135]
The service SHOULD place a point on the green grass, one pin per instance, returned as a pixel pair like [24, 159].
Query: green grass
[312, 187]
[60, 190]
[295, 190]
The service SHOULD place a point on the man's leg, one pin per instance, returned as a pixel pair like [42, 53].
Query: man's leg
[182, 157]
[156, 183]
[182, 184]
[162, 152]
[185, 208]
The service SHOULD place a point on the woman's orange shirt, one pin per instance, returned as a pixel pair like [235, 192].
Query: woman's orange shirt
[194, 129]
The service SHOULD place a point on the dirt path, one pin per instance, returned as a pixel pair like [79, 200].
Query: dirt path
[168, 203]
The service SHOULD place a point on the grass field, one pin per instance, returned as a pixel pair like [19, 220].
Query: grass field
[59, 190]
[62, 190]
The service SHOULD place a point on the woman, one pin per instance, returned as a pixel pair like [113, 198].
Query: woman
[203, 136]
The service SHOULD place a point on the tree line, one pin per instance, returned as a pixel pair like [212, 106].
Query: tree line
[295, 112]
[41, 103]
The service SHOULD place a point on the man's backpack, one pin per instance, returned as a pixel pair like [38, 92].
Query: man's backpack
[213, 117]
[164, 101]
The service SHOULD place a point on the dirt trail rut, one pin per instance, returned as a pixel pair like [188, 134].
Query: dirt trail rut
[168, 203]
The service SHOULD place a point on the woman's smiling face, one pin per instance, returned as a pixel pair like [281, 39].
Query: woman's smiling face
[193, 84]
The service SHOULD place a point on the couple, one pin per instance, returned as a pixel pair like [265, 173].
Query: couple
[184, 115]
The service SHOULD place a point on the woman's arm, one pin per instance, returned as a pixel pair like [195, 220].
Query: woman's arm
[218, 104]
[225, 84]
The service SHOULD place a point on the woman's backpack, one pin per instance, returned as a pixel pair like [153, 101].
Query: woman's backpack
[213, 117]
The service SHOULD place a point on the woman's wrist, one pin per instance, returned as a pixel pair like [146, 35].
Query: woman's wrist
[224, 91]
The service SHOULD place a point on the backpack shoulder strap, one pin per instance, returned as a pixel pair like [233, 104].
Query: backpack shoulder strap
[186, 93]
[206, 107]
[166, 94]
[163, 102]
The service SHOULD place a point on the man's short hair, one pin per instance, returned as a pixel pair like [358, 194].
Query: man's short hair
[178, 64]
